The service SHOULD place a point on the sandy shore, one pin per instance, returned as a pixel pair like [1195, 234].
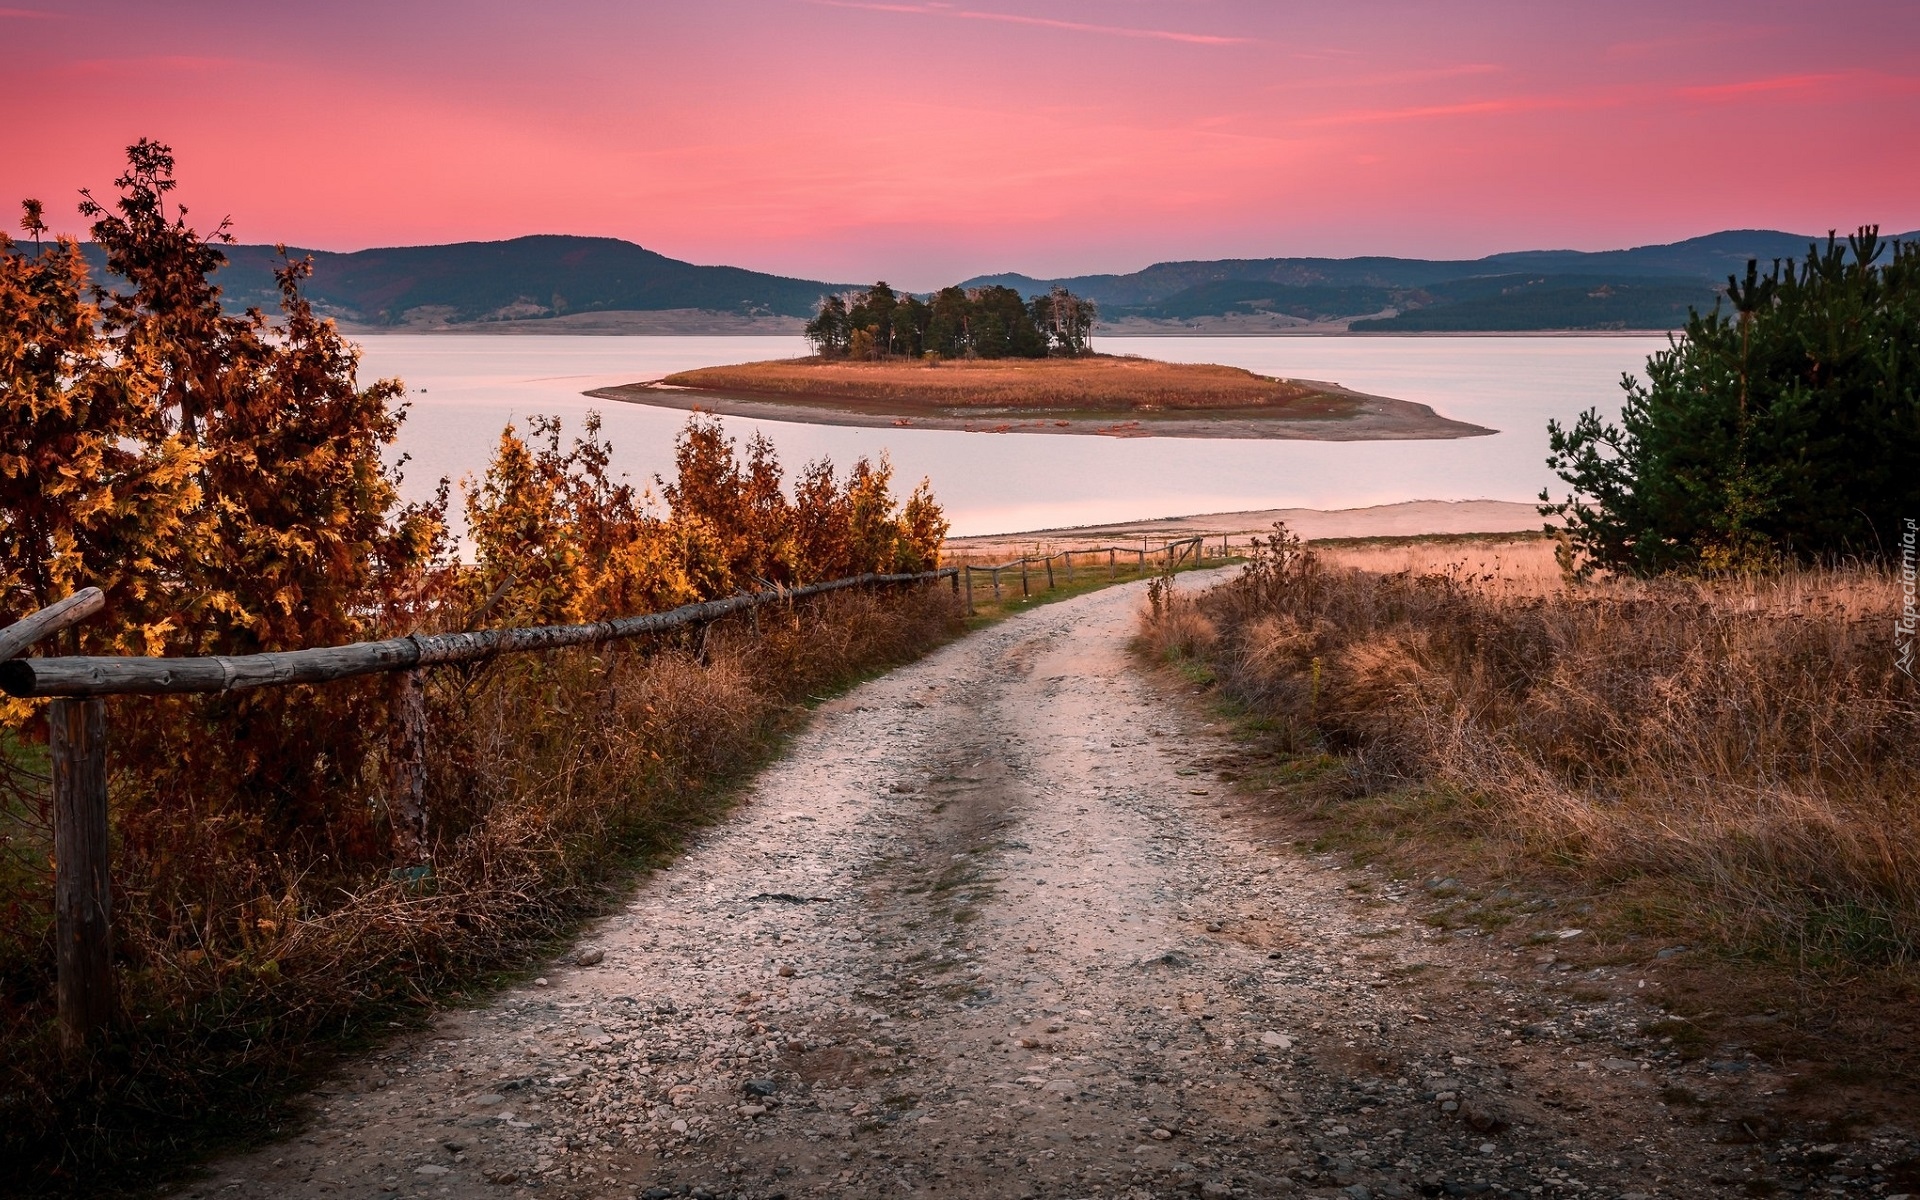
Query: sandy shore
[1407, 519]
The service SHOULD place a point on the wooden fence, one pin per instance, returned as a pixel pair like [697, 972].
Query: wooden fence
[77, 742]
[1168, 557]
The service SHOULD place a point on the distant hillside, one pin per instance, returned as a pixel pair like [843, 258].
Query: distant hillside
[1647, 287]
[1519, 303]
[522, 279]
[562, 284]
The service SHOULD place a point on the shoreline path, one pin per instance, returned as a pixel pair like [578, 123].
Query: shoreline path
[998, 926]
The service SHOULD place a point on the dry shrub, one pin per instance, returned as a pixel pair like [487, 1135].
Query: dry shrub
[554, 775]
[1744, 745]
[1172, 626]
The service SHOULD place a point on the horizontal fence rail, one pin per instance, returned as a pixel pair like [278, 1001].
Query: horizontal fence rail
[109, 676]
[77, 724]
[1173, 554]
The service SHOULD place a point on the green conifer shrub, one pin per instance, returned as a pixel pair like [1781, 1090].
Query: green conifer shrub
[1788, 429]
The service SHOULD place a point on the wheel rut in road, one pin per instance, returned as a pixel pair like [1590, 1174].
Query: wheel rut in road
[990, 930]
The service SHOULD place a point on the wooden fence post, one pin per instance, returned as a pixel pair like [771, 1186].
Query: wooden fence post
[1113, 570]
[996, 583]
[1049, 561]
[82, 909]
[407, 765]
[969, 573]
[1067, 555]
[1023, 576]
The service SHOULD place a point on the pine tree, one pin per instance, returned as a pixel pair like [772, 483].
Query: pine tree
[1788, 429]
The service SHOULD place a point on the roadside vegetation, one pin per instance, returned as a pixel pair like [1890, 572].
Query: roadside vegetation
[222, 479]
[1735, 756]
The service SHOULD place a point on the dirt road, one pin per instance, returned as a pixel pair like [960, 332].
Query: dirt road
[999, 927]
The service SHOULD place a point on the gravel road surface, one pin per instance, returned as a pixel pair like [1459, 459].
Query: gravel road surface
[999, 925]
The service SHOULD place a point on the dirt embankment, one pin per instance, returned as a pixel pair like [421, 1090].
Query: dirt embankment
[1005, 924]
[1114, 396]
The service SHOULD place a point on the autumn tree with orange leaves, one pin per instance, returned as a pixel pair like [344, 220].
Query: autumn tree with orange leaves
[222, 477]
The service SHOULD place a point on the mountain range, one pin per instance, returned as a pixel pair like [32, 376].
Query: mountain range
[556, 282]
[1647, 287]
[478, 284]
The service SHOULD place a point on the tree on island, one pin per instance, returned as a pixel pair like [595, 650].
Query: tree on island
[1788, 430]
[985, 322]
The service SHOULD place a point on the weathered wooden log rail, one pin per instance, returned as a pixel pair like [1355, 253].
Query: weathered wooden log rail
[1169, 557]
[34, 677]
[77, 721]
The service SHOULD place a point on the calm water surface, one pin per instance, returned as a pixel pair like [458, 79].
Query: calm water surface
[465, 388]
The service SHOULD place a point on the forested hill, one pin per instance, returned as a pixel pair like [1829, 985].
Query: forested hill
[526, 278]
[529, 280]
[1647, 287]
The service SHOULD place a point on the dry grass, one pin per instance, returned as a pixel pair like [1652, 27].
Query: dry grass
[1099, 383]
[553, 778]
[1741, 754]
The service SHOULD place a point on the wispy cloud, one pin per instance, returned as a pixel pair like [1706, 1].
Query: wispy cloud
[1714, 34]
[1751, 87]
[145, 62]
[969, 14]
[1321, 83]
[1470, 108]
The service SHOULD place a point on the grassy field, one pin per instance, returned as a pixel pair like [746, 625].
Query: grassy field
[1746, 740]
[1727, 765]
[1100, 383]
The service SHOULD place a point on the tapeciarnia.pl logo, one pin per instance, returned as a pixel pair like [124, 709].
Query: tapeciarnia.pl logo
[1903, 629]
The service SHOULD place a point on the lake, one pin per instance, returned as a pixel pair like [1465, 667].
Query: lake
[464, 388]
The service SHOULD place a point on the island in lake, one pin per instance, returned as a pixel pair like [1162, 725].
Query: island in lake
[1088, 394]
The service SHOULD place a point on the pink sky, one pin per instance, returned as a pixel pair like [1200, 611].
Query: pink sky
[923, 142]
